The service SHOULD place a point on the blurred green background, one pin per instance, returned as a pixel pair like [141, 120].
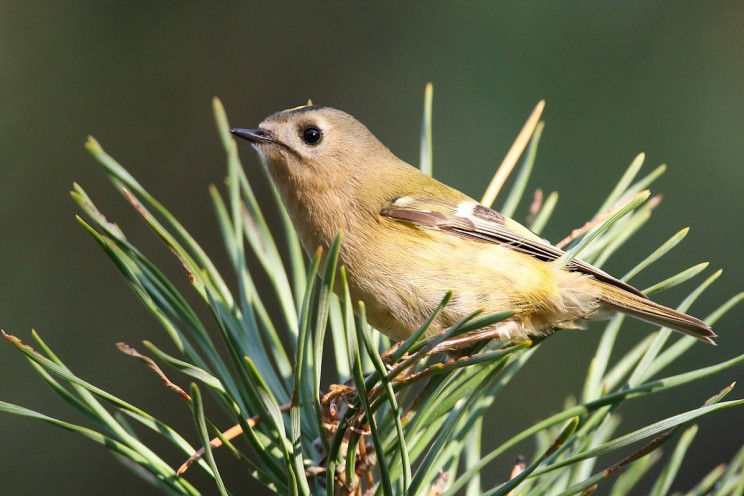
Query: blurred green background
[663, 78]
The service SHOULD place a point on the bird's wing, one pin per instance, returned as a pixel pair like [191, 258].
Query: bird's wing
[475, 221]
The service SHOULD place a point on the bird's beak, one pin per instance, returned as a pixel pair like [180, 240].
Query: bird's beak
[257, 136]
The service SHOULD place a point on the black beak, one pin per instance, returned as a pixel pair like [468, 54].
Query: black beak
[253, 135]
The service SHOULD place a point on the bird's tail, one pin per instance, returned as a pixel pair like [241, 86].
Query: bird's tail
[644, 309]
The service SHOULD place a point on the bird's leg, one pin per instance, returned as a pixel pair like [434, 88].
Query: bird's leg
[465, 344]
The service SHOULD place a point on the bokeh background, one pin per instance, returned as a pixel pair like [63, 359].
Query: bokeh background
[665, 78]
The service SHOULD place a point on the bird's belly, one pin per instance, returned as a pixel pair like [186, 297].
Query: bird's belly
[402, 286]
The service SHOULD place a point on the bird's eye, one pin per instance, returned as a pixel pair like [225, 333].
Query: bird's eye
[311, 135]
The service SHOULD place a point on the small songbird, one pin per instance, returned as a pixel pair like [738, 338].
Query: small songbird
[409, 239]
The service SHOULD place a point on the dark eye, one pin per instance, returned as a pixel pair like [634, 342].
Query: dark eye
[312, 135]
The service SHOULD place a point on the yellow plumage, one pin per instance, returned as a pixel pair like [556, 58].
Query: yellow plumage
[408, 239]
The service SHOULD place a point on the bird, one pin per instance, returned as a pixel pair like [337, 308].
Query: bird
[409, 239]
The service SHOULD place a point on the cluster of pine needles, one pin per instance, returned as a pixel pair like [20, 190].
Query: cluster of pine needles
[405, 419]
